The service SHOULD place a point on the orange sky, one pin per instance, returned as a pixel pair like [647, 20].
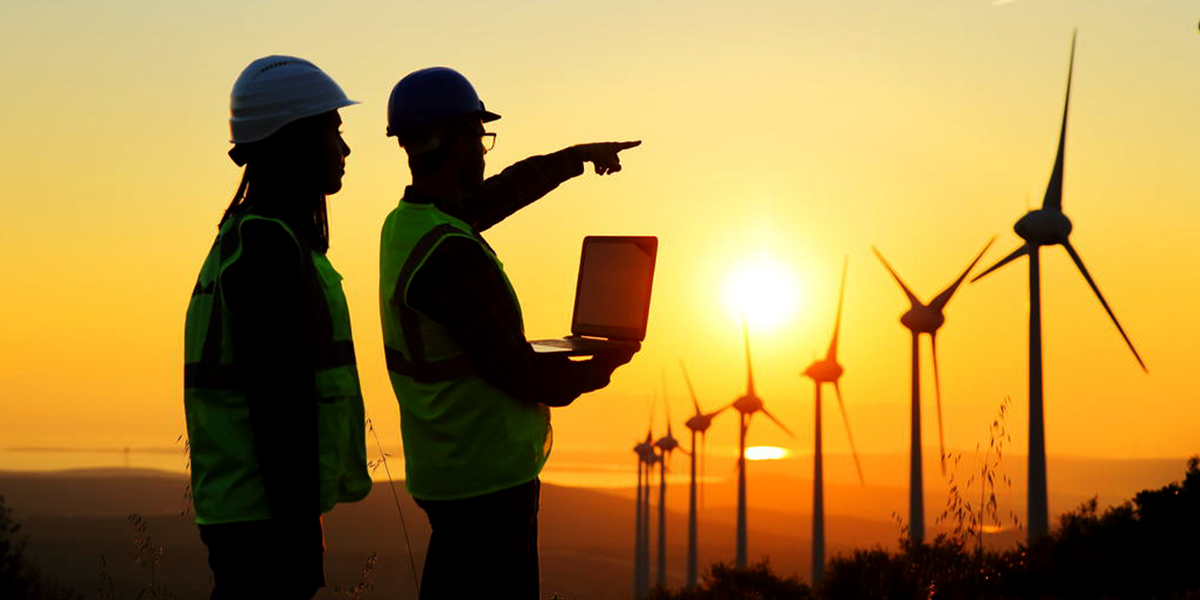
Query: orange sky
[806, 132]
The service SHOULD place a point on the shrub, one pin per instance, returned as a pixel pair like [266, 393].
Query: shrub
[20, 578]
[723, 581]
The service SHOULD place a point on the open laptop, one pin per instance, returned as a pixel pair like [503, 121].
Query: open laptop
[612, 296]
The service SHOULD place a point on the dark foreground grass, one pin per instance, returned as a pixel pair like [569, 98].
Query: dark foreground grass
[1147, 548]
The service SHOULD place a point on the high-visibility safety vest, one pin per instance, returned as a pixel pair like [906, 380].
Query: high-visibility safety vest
[462, 436]
[226, 482]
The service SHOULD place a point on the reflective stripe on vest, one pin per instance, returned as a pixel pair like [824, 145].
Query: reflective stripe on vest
[226, 483]
[462, 436]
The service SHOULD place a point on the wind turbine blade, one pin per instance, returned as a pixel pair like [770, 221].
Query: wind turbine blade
[831, 355]
[666, 402]
[749, 367]
[937, 386]
[842, 407]
[653, 401]
[1053, 199]
[943, 298]
[1082, 269]
[907, 292]
[1019, 252]
[719, 411]
[781, 425]
[691, 390]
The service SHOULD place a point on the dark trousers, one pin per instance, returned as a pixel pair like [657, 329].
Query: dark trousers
[266, 559]
[483, 547]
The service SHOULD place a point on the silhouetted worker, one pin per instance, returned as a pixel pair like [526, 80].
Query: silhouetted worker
[271, 392]
[473, 394]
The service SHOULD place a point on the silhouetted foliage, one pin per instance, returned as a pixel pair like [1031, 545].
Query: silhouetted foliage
[723, 581]
[1144, 549]
[19, 578]
[1148, 548]
[945, 568]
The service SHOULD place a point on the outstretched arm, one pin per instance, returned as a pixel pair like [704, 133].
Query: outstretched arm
[527, 181]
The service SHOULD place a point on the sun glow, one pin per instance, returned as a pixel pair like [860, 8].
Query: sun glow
[764, 291]
[765, 453]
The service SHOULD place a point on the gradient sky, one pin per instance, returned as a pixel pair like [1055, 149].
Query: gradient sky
[806, 131]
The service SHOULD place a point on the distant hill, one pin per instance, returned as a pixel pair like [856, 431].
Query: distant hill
[75, 517]
[586, 536]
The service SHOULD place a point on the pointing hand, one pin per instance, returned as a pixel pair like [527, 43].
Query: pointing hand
[603, 155]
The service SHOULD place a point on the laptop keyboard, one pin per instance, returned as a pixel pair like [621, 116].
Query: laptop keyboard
[582, 344]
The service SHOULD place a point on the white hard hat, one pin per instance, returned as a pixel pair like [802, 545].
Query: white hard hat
[276, 90]
[431, 95]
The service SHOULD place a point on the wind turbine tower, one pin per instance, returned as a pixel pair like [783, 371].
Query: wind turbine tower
[641, 559]
[747, 405]
[666, 445]
[924, 318]
[1047, 226]
[699, 424]
[823, 371]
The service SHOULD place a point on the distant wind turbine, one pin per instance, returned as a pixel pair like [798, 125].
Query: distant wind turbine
[666, 445]
[641, 551]
[924, 318]
[747, 405]
[699, 424]
[822, 371]
[1047, 226]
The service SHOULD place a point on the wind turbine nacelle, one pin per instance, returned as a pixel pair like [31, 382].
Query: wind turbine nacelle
[824, 371]
[922, 319]
[1044, 227]
[699, 423]
[748, 404]
[667, 444]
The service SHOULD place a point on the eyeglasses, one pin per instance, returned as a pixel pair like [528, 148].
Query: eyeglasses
[488, 140]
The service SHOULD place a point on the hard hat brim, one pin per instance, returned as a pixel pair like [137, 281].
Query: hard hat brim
[289, 118]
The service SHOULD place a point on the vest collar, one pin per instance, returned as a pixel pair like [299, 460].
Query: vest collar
[415, 196]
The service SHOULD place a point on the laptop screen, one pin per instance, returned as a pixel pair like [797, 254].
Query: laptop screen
[612, 296]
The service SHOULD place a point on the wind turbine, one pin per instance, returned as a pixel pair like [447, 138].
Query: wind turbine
[641, 554]
[1047, 226]
[747, 405]
[822, 371]
[666, 445]
[924, 318]
[699, 424]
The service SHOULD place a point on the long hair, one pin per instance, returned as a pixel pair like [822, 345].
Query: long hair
[314, 230]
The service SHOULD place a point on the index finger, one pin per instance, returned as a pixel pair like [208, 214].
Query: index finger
[619, 146]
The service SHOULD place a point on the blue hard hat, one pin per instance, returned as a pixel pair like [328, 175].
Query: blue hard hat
[431, 95]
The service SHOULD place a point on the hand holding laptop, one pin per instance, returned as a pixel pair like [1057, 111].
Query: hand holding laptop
[593, 373]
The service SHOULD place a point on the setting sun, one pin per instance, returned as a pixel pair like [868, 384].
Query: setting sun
[763, 290]
[765, 453]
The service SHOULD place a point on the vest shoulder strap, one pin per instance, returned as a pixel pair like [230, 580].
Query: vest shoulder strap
[416, 366]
